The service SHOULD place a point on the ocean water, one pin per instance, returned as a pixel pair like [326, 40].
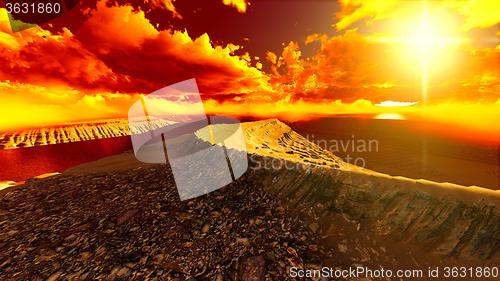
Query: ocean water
[407, 148]
[395, 147]
[22, 163]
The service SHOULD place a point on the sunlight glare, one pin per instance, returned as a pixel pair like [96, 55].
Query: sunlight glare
[431, 38]
[389, 116]
[390, 103]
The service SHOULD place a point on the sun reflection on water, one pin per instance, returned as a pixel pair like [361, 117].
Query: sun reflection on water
[390, 116]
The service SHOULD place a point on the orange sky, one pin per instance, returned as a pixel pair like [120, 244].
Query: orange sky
[98, 59]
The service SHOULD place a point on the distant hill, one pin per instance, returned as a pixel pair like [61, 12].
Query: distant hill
[75, 132]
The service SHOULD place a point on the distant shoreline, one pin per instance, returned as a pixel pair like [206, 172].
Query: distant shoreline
[464, 164]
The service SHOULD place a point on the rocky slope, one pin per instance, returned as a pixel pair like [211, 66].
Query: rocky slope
[441, 218]
[437, 219]
[131, 225]
[296, 206]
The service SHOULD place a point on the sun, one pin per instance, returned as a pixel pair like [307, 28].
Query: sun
[425, 41]
[424, 38]
[431, 32]
[431, 35]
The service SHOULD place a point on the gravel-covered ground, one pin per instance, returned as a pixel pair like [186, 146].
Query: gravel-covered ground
[132, 225]
[117, 218]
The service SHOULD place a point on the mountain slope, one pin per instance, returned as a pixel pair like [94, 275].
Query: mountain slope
[439, 218]
[443, 218]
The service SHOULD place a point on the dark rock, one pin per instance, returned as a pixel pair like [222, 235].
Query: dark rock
[252, 268]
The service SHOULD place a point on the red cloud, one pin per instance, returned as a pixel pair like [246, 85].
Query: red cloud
[117, 49]
[353, 66]
[240, 5]
[37, 56]
[154, 58]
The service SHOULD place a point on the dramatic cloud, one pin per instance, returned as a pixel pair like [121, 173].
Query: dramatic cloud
[97, 71]
[347, 67]
[475, 13]
[118, 51]
[167, 4]
[381, 67]
[240, 5]
[37, 56]
[27, 105]
[142, 59]
[157, 58]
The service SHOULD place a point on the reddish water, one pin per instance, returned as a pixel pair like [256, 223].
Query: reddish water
[402, 149]
[22, 163]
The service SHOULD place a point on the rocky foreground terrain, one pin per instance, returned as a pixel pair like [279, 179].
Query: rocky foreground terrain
[117, 219]
[133, 226]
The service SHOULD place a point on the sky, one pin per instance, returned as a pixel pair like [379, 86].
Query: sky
[436, 60]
